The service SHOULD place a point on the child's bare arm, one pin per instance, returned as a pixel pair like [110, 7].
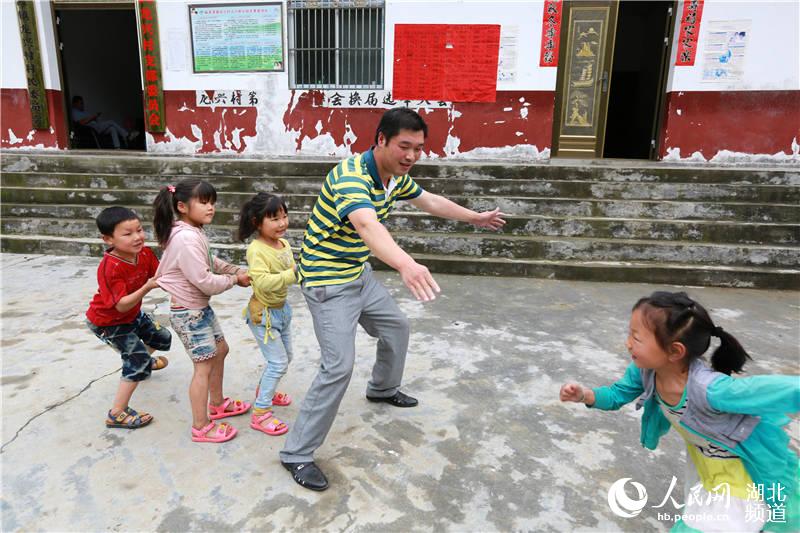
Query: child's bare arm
[128, 302]
[573, 392]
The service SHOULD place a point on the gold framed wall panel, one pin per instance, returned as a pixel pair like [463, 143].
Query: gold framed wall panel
[583, 78]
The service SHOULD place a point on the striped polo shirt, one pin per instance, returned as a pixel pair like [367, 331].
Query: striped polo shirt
[333, 253]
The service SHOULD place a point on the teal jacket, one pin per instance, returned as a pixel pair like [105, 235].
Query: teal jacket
[765, 452]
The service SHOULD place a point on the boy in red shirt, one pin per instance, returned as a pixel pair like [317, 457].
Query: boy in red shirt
[124, 276]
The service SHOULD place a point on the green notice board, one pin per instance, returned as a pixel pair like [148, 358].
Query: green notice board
[237, 37]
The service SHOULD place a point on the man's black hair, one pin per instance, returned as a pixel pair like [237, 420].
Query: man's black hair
[76, 98]
[109, 217]
[400, 118]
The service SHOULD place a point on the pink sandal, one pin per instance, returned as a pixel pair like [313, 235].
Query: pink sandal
[281, 399]
[274, 426]
[224, 432]
[220, 411]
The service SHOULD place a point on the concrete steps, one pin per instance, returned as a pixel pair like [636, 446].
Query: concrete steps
[657, 273]
[709, 192]
[630, 222]
[38, 218]
[601, 171]
[489, 245]
[519, 205]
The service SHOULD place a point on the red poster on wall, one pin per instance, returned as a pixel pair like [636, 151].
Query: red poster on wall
[448, 62]
[690, 31]
[551, 33]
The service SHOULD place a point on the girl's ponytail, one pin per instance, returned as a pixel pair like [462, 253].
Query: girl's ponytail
[675, 317]
[729, 356]
[166, 204]
[164, 215]
[247, 223]
[255, 209]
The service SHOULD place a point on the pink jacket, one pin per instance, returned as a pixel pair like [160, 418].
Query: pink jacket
[185, 273]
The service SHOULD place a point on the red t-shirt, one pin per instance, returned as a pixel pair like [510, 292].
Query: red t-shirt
[117, 278]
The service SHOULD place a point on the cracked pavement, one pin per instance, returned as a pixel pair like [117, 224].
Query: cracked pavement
[490, 448]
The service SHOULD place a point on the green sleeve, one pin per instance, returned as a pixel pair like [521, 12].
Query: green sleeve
[755, 395]
[627, 389]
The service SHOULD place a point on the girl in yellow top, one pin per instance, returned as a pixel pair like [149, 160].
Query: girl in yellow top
[271, 269]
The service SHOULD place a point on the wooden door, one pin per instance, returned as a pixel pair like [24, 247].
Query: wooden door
[584, 74]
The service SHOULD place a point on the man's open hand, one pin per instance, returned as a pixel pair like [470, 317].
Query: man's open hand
[490, 219]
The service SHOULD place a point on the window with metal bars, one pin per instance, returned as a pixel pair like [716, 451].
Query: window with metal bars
[336, 44]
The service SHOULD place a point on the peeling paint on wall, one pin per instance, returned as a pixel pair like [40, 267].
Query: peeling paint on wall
[17, 131]
[728, 157]
[734, 126]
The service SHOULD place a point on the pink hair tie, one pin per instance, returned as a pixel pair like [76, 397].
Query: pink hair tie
[171, 188]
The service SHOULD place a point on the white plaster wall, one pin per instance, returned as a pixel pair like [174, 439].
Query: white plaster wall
[173, 23]
[273, 87]
[772, 60]
[526, 15]
[12, 65]
[47, 43]
[271, 136]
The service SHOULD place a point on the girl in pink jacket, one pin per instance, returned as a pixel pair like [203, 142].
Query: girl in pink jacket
[190, 274]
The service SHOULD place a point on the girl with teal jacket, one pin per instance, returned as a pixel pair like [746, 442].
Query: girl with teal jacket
[745, 477]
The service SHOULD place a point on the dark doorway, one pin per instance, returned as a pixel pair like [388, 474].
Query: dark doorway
[637, 78]
[100, 64]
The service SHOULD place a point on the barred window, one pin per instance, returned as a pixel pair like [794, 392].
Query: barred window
[336, 44]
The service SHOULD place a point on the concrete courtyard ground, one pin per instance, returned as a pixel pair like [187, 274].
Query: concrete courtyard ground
[490, 448]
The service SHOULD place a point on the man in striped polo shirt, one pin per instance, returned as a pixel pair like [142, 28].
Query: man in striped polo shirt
[345, 226]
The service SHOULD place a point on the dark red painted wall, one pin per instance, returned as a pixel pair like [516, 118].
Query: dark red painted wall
[488, 125]
[182, 112]
[15, 113]
[753, 122]
[479, 124]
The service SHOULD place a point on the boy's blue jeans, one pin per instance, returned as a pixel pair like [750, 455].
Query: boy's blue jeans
[131, 341]
[276, 347]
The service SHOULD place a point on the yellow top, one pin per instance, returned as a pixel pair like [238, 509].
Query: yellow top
[271, 271]
[716, 466]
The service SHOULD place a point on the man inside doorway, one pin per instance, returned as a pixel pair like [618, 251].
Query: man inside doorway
[345, 226]
[90, 120]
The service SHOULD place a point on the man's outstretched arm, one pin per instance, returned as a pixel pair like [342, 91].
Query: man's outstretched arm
[442, 207]
[380, 242]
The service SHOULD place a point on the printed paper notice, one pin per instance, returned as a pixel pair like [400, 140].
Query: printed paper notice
[237, 37]
[724, 52]
[177, 50]
[507, 61]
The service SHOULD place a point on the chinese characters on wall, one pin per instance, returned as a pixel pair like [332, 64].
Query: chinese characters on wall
[346, 98]
[227, 98]
[450, 62]
[151, 66]
[507, 61]
[551, 33]
[690, 31]
[26, 16]
[237, 37]
[725, 47]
